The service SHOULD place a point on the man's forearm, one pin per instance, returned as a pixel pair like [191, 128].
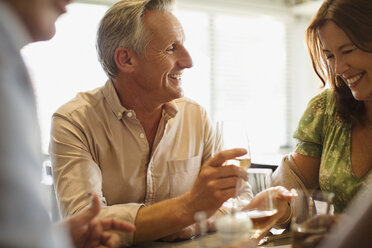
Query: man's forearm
[162, 218]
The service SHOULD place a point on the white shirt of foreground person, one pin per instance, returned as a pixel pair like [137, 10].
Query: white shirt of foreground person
[23, 219]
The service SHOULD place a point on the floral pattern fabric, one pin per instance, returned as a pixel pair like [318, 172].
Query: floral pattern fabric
[321, 133]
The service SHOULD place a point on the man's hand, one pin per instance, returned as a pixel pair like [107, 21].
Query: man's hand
[89, 231]
[215, 183]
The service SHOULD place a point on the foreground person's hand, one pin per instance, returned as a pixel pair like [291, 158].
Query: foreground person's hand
[87, 230]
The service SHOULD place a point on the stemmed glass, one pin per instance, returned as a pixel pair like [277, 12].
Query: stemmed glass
[228, 135]
[263, 207]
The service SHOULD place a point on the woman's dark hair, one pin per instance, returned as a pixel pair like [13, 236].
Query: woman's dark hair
[354, 17]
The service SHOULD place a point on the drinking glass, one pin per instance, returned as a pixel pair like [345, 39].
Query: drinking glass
[263, 207]
[231, 134]
[312, 218]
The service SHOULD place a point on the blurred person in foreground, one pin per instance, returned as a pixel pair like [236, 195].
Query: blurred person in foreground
[24, 222]
[136, 142]
[334, 150]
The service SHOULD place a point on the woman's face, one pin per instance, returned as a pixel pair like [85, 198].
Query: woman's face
[347, 61]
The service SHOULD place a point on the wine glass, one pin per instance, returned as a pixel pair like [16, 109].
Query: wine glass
[263, 207]
[231, 134]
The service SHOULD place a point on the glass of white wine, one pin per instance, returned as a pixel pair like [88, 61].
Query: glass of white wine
[231, 134]
[263, 207]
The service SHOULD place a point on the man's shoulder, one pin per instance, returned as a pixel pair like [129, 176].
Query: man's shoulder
[82, 102]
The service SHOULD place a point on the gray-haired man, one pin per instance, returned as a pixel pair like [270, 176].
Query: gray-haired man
[135, 141]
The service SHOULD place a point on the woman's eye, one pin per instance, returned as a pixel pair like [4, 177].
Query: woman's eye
[329, 56]
[348, 51]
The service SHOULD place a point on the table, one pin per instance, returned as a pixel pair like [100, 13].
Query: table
[210, 239]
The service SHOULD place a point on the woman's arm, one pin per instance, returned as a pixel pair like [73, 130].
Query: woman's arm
[309, 169]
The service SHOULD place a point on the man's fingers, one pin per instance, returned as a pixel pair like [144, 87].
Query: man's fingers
[224, 183]
[222, 156]
[231, 171]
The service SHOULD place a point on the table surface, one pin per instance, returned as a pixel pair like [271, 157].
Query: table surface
[211, 240]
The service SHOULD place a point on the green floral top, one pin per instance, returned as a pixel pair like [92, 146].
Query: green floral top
[322, 134]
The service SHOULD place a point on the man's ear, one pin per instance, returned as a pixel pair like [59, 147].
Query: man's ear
[124, 59]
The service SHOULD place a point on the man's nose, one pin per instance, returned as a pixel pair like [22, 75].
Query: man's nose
[185, 60]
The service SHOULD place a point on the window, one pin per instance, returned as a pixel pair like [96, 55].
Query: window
[240, 61]
[240, 69]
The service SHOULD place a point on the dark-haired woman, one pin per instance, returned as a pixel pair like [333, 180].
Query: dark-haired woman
[334, 149]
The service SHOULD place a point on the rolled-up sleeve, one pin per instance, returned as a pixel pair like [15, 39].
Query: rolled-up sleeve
[99, 146]
[76, 175]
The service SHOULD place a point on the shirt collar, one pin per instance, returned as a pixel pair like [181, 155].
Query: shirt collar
[170, 109]
[113, 100]
[14, 26]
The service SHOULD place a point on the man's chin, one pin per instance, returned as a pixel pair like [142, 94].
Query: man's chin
[177, 92]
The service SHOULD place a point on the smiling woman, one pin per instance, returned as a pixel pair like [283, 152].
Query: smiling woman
[334, 138]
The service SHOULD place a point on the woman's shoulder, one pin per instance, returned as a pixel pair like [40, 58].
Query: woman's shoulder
[315, 121]
[323, 103]
[322, 98]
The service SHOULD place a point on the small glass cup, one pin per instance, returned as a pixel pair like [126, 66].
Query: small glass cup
[260, 213]
[312, 218]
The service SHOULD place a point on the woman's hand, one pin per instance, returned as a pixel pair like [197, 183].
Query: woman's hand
[281, 196]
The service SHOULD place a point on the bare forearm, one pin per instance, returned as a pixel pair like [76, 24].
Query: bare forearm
[161, 219]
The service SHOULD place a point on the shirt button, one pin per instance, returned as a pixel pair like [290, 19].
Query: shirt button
[120, 115]
[129, 114]
[142, 135]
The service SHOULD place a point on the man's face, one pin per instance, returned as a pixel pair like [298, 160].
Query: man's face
[158, 73]
[39, 16]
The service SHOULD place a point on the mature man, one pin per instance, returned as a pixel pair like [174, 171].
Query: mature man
[135, 141]
[24, 221]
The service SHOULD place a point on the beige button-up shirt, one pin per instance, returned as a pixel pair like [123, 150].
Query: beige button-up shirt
[97, 145]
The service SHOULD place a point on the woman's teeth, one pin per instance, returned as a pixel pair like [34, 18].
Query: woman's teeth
[354, 79]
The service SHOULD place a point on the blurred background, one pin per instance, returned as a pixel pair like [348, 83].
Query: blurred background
[250, 63]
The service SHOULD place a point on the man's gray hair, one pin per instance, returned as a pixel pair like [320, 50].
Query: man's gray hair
[122, 26]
